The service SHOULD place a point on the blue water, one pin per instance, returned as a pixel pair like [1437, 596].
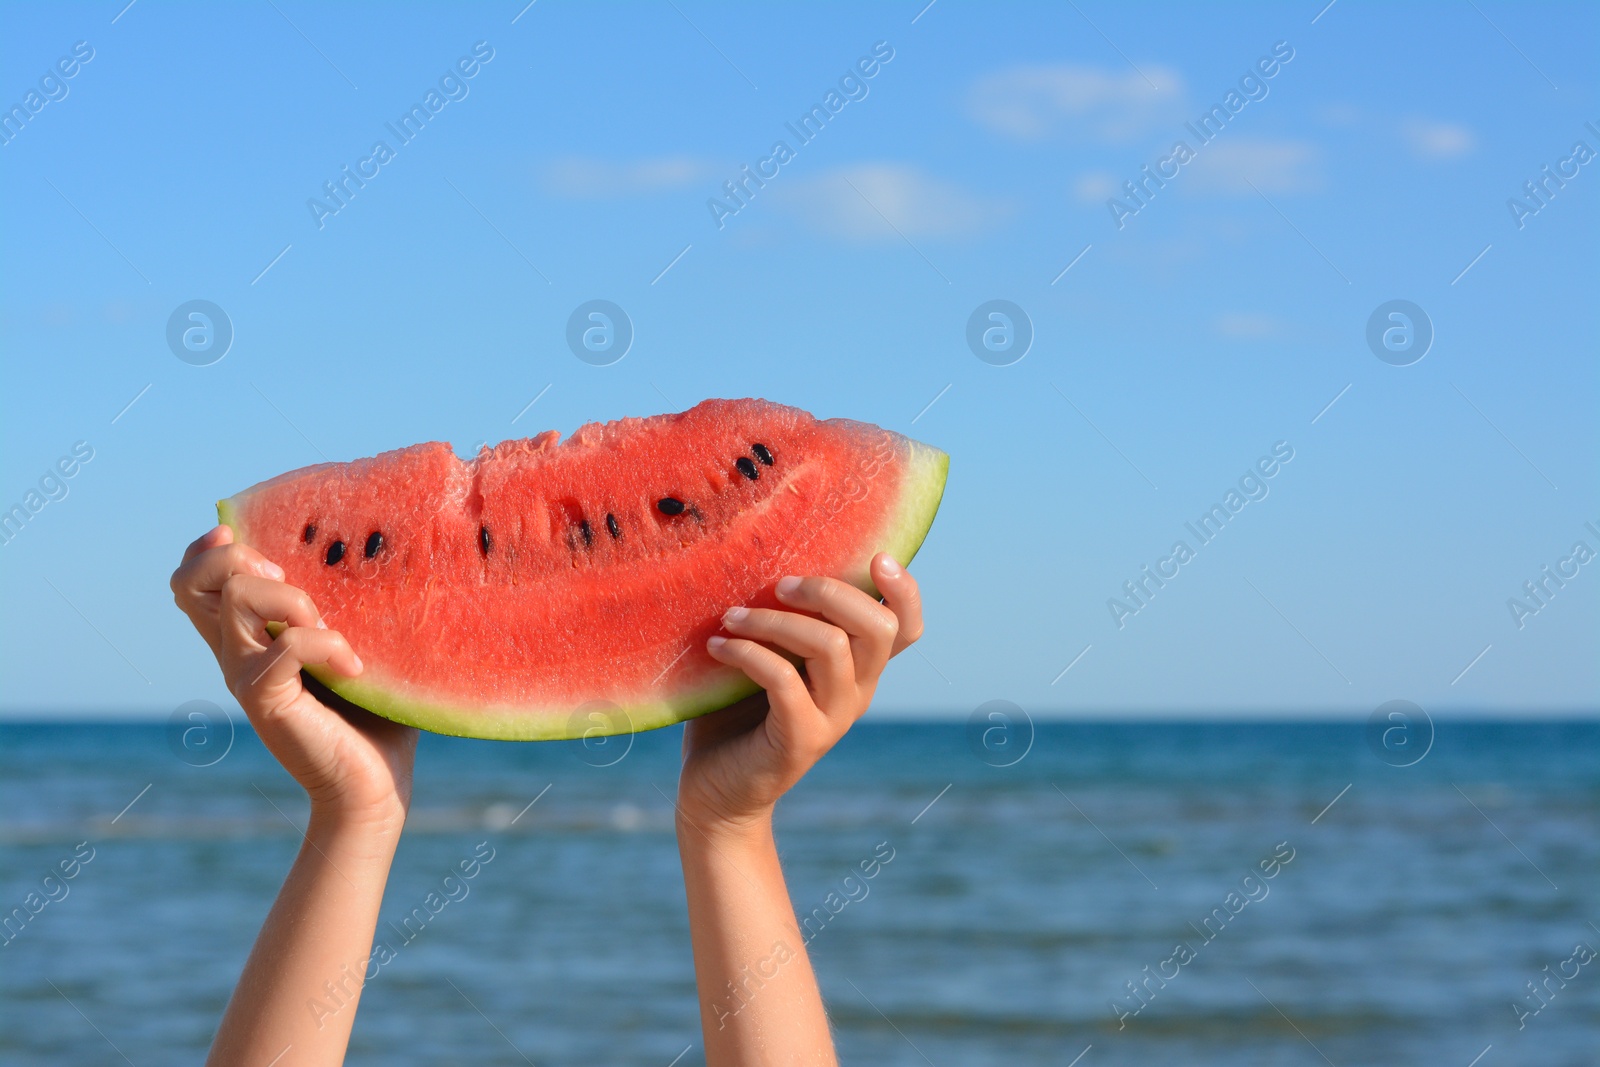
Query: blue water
[1413, 912]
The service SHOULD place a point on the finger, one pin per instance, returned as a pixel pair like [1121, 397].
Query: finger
[871, 626]
[274, 673]
[198, 581]
[765, 668]
[824, 647]
[793, 721]
[217, 535]
[249, 603]
[903, 597]
[208, 571]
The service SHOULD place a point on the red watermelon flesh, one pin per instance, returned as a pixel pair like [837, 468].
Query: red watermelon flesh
[514, 595]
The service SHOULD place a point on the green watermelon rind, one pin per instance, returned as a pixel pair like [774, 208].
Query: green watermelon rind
[927, 470]
[919, 503]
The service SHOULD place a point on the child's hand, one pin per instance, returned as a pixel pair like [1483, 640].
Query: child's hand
[738, 762]
[354, 765]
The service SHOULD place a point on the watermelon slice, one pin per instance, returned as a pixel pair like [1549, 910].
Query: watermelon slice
[510, 595]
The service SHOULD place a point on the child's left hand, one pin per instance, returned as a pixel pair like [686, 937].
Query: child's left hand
[355, 766]
[739, 761]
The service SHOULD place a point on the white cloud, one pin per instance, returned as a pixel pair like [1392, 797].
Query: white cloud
[1340, 114]
[1093, 187]
[1427, 139]
[1438, 140]
[1232, 165]
[1031, 102]
[882, 201]
[584, 178]
[1247, 326]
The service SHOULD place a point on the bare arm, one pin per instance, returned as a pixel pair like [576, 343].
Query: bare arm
[759, 1001]
[301, 985]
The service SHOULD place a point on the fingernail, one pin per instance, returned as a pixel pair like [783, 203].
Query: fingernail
[273, 571]
[716, 642]
[788, 586]
[358, 664]
[891, 568]
[321, 625]
[734, 615]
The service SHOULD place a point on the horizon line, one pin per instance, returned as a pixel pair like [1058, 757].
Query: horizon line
[1102, 716]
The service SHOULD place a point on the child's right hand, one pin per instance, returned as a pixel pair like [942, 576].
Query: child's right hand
[737, 762]
[354, 765]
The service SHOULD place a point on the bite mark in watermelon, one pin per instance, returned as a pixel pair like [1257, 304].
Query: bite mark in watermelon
[500, 596]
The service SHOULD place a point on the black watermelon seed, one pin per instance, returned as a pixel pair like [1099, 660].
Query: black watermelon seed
[611, 524]
[484, 541]
[670, 505]
[310, 533]
[335, 553]
[585, 532]
[747, 468]
[374, 542]
[762, 454]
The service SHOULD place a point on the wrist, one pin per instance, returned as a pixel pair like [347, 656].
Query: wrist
[366, 829]
[724, 833]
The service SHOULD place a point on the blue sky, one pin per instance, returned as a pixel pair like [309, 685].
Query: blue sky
[580, 160]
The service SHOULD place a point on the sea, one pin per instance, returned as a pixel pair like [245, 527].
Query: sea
[1075, 894]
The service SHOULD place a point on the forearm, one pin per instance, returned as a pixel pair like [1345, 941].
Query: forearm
[303, 979]
[759, 1002]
